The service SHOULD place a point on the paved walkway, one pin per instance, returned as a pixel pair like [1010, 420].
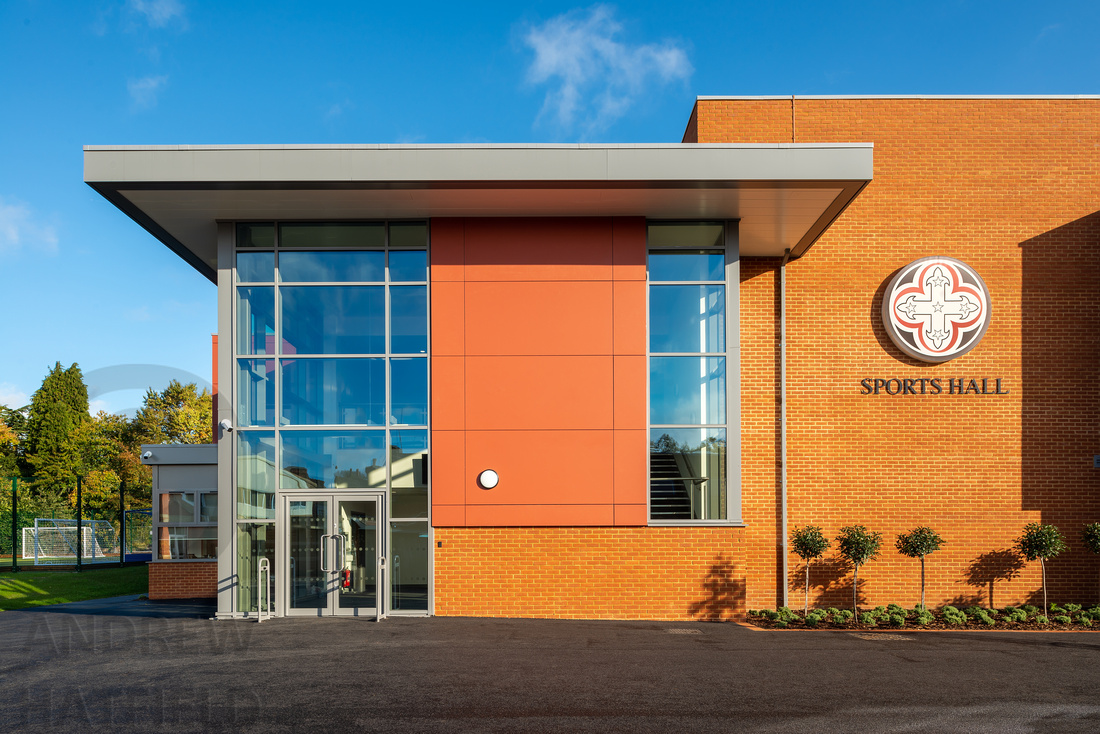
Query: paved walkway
[128, 665]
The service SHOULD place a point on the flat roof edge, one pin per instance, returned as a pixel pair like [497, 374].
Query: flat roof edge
[796, 97]
[463, 146]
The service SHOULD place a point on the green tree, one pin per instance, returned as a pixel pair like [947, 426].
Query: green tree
[857, 545]
[1091, 536]
[179, 414]
[1043, 542]
[918, 543]
[58, 413]
[809, 543]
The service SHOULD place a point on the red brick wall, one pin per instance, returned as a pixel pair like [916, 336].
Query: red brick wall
[1011, 188]
[590, 573]
[183, 580]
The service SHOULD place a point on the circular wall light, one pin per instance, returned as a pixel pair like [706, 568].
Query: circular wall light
[488, 479]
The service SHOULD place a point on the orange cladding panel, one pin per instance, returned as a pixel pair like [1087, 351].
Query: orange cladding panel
[630, 316]
[631, 458]
[524, 393]
[447, 249]
[538, 249]
[630, 395]
[448, 516]
[539, 515]
[448, 394]
[554, 317]
[448, 464]
[541, 467]
[448, 318]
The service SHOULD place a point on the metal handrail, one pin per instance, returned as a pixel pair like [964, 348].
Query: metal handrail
[263, 591]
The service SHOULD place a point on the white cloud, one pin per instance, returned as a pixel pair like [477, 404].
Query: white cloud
[595, 78]
[144, 91]
[12, 396]
[159, 13]
[19, 226]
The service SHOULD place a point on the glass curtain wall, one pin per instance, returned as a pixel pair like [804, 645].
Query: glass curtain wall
[687, 371]
[332, 379]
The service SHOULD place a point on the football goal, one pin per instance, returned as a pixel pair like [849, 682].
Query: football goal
[54, 542]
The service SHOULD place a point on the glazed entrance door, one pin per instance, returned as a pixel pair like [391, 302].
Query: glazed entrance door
[335, 562]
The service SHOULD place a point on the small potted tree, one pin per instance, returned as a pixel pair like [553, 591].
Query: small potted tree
[918, 543]
[857, 545]
[809, 543]
[1043, 542]
[1091, 536]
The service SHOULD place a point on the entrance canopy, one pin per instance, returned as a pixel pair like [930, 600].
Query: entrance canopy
[785, 195]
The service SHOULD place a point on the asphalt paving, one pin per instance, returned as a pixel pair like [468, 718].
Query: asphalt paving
[132, 665]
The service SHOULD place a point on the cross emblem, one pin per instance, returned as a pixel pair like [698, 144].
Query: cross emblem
[937, 307]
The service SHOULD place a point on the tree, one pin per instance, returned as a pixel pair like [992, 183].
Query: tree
[1091, 536]
[918, 543]
[857, 545]
[58, 411]
[809, 543]
[1043, 542]
[179, 414]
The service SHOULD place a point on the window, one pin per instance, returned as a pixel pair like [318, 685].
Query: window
[692, 372]
[187, 525]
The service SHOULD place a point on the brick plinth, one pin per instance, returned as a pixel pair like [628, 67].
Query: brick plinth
[590, 573]
[183, 580]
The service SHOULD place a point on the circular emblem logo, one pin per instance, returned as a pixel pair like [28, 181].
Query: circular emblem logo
[936, 309]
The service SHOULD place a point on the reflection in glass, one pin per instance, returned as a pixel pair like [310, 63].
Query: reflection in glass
[686, 234]
[255, 267]
[254, 541]
[409, 386]
[336, 459]
[687, 318]
[409, 319]
[687, 265]
[409, 566]
[409, 473]
[319, 267]
[256, 475]
[334, 391]
[256, 392]
[208, 507]
[357, 235]
[177, 507]
[408, 265]
[687, 390]
[309, 555]
[333, 319]
[687, 469]
[358, 553]
[409, 234]
[256, 320]
[191, 543]
[255, 234]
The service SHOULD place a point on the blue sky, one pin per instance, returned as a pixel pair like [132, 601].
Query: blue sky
[82, 283]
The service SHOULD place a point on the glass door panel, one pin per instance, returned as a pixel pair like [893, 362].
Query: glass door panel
[333, 555]
[358, 520]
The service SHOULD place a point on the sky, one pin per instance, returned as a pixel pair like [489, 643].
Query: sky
[80, 282]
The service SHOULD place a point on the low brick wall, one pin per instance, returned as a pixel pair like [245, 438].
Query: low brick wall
[168, 580]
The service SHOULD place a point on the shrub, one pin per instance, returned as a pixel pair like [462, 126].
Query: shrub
[782, 624]
[1055, 608]
[844, 616]
[811, 621]
[924, 618]
[1018, 615]
[770, 614]
[1008, 610]
[786, 614]
[1030, 608]
[867, 618]
[918, 543]
[985, 618]
[895, 609]
[897, 620]
[809, 543]
[953, 616]
[1062, 619]
[1084, 621]
[857, 545]
[1072, 608]
[974, 611]
[1041, 542]
[1041, 619]
[832, 611]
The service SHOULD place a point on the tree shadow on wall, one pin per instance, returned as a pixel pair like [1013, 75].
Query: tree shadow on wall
[724, 592]
[834, 576]
[991, 567]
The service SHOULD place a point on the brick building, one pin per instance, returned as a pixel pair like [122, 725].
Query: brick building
[549, 380]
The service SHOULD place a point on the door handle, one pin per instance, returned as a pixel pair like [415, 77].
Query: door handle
[324, 547]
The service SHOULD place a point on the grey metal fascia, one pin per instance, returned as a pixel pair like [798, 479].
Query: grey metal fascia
[204, 453]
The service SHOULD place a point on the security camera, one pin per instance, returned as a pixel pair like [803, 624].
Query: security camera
[226, 425]
[147, 455]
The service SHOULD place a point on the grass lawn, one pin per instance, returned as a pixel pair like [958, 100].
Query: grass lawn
[36, 588]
